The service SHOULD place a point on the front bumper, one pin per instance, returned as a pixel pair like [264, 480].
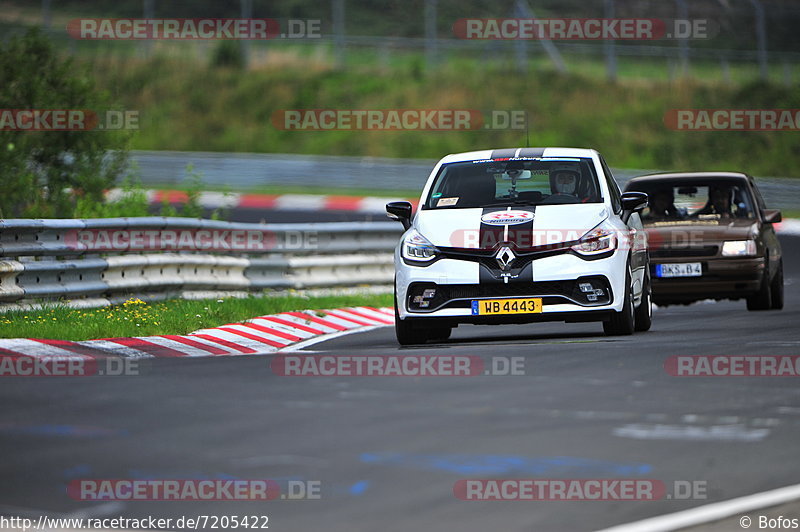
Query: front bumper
[556, 279]
[722, 278]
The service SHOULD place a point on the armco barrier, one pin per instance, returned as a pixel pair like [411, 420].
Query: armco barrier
[101, 261]
[241, 171]
[96, 261]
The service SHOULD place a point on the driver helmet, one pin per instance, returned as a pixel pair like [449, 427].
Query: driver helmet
[564, 179]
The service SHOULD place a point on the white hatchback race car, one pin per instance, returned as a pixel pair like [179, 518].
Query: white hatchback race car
[521, 235]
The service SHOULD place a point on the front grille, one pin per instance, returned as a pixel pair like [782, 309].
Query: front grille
[448, 295]
[676, 253]
[486, 257]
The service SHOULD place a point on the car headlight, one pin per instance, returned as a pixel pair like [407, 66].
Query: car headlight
[596, 241]
[739, 248]
[417, 248]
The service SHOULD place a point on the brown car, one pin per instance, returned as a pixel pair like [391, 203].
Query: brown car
[711, 237]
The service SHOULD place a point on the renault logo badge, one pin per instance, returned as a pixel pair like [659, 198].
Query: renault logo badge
[505, 257]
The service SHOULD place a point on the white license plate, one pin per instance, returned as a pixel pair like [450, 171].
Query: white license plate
[689, 269]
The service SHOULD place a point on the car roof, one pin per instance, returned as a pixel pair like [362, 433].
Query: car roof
[518, 152]
[700, 177]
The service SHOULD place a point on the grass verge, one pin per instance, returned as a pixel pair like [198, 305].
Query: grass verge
[188, 106]
[179, 316]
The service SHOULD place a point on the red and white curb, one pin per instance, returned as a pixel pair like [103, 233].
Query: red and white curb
[297, 202]
[789, 226]
[261, 335]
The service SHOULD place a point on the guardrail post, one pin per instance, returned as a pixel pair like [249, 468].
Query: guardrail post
[683, 43]
[148, 12]
[761, 37]
[610, 46]
[555, 56]
[431, 40]
[46, 19]
[247, 13]
[338, 31]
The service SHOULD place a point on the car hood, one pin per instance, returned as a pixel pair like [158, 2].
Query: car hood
[695, 232]
[528, 226]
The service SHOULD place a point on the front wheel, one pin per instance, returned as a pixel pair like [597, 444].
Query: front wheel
[643, 317]
[622, 323]
[408, 334]
[777, 288]
[761, 300]
[405, 333]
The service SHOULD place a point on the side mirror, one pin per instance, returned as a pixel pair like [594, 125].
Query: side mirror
[632, 202]
[772, 216]
[400, 211]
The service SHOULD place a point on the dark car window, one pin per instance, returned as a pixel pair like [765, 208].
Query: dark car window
[616, 199]
[514, 181]
[696, 200]
[759, 199]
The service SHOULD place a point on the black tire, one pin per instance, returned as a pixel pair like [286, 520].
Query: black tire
[408, 332]
[777, 288]
[761, 300]
[404, 331]
[643, 317]
[622, 323]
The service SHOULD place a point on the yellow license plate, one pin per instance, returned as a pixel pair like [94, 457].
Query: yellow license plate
[488, 307]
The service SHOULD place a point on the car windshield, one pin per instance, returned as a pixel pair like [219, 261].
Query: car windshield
[696, 201]
[514, 181]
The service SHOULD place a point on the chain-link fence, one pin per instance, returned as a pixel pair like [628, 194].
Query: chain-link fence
[739, 39]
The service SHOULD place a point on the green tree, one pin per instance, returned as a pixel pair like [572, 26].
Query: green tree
[44, 173]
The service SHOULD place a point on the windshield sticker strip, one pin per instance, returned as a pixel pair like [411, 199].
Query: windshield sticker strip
[447, 202]
[531, 152]
[507, 152]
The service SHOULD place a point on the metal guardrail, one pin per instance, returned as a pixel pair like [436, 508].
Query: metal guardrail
[97, 261]
[241, 171]
[101, 261]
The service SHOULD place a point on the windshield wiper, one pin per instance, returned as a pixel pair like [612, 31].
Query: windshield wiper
[511, 202]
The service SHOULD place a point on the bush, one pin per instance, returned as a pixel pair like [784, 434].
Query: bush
[228, 54]
[131, 201]
[46, 173]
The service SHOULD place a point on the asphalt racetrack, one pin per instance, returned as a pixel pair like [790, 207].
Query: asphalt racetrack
[387, 451]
